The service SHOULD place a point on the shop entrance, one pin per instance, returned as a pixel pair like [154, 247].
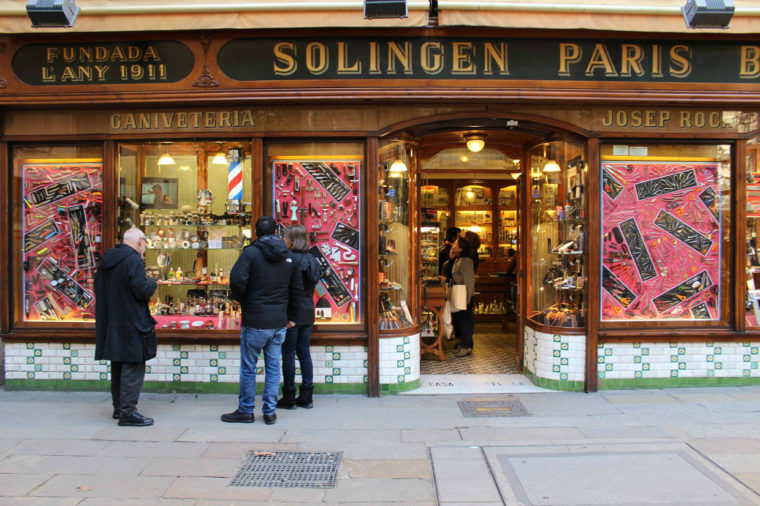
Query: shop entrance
[472, 174]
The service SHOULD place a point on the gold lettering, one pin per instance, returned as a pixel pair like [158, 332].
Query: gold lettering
[133, 52]
[143, 121]
[48, 74]
[69, 54]
[715, 120]
[631, 60]
[622, 118]
[68, 74]
[463, 53]
[282, 56]
[167, 119]
[210, 120]
[636, 119]
[181, 120]
[317, 58]
[607, 118]
[374, 58]
[151, 53]
[101, 54]
[650, 118]
[431, 57]
[680, 65]
[568, 53]
[699, 119]
[196, 119]
[52, 54]
[749, 67]
[85, 54]
[129, 123]
[116, 121]
[101, 70]
[343, 65]
[600, 59]
[656, 60]
[248, 119]
[685, 119]
[224, 119]
[499, 56]
[665, 117]
[403, 56]
[117, 54]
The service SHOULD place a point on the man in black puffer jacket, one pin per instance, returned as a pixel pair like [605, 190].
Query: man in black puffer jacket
[267, 283]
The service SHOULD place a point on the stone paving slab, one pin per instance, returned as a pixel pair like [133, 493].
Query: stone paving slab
[20, 484]
[243, 433]
[480, 489]
[60, 447]
[417, 469]
[99, 465]
[218, 489]
[522, 434]
[40, 501]
[155, 449]
[380, 490]
[344, 436]
[99, 501]
[430, 435]
[104, 486]
[733, 445]
[215, 468]
[152, 433]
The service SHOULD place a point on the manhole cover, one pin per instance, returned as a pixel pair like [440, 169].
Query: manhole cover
[492, 408]
[288, 469]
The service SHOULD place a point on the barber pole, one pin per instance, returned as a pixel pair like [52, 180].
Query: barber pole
[235, 181]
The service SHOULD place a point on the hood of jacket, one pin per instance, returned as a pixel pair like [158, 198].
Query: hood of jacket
[272, 247]
[113, 256]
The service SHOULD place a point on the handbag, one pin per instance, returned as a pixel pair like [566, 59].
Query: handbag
[448, 327]
[458, 298]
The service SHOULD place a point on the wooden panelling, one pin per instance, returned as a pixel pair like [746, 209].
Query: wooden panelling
[593, 246]
[372, 288]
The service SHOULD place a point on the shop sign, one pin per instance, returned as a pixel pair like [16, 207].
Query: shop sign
[672, 120]
[654, 61]
[205, 120]
[165, 61]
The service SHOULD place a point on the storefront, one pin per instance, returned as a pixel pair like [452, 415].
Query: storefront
[615, 195]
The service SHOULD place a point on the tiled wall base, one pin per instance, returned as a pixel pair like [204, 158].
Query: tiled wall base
[555, 361]
[185, 368]
[658, 365]
[399, 363]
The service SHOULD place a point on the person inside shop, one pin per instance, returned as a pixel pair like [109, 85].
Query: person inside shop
[463, 273]
[124, 327]
[160, 199]
[267, 282]
[452, 234]
[298, 337]
[473, 240]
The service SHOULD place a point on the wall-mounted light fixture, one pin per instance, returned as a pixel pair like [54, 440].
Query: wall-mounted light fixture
[475, 142]
[377, 9]
[52, 13]
[708, 13]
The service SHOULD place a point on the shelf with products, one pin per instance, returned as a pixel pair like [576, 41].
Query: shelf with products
[557, 236]
[430, 242]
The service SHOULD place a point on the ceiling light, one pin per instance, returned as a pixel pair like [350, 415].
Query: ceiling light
[464, 158]
[475, 142]
[165, 158]
[515, 175]
[551, 166]
[220, 158]
[397, 167]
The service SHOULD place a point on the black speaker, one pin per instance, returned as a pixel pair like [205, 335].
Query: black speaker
[708, 13]
[52, 13]
[374, 9]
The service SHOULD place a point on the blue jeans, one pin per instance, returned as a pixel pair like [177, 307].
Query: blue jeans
[252, 341]
[297, 341]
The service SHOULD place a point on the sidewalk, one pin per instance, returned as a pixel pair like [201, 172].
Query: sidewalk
[680, 446]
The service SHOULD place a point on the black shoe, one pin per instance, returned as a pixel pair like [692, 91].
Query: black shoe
[288, 400]
[270, 419]
[135, 420]
[116, 414]
[304, 398]
[237, 417]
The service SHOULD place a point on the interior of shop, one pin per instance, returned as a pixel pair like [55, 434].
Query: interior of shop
[470, 175]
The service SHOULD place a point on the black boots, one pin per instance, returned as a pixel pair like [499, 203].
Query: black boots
[288, 400]
[304, 398]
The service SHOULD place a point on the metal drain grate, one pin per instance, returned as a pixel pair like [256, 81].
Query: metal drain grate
[492, 408]
[288, 469]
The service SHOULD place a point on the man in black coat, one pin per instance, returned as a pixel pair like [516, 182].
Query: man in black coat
[267, 283]
[124, 327]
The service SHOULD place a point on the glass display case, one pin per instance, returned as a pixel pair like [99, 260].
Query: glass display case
[191, 202]
[435, 221]
[557, 258]
[508, 224]
[394, 255]
[59, 228]
[752, 314]
[319, 185]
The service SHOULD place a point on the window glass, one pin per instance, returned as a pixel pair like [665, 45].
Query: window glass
[752, 313]
[192, 200]
[58, 218]
[557, 235]
[319, 186]
[665, 227]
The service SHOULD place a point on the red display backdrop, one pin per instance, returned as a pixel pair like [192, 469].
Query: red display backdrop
[62, 239]
[661, 242]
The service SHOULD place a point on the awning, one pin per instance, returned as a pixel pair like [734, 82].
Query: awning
[148, 15]
[613, 15]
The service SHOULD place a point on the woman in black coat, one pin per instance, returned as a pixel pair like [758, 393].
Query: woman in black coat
[298, 337]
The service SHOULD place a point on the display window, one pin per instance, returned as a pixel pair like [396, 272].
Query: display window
[665, 212]
[557, 259]
[435, 221]
[192, 200]
[752, 265]
[394, 239]
[319, 186]
[58, 228]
